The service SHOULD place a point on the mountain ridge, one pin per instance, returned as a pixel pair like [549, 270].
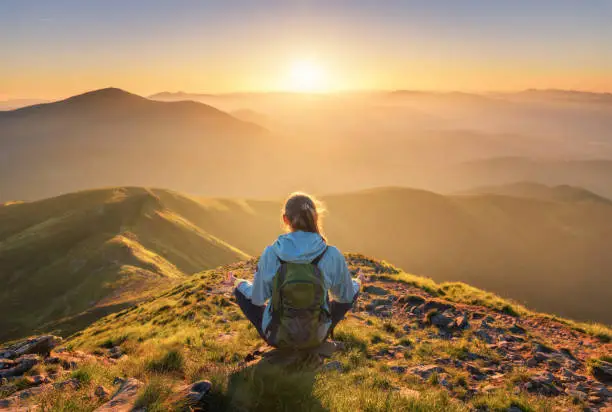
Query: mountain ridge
[113, 246]
[99, 248]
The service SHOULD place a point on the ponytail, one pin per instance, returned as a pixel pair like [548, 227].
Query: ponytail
[303, 214]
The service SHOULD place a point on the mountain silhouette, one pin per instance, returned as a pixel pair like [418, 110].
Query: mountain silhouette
[110, 137]
[541, 191]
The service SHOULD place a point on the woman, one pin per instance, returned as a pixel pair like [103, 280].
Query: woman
[283, 302]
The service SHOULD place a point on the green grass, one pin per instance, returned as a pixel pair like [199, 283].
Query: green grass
[172, 361]
[81, 375]
[172, 343]
[153, 395]
[114, 247]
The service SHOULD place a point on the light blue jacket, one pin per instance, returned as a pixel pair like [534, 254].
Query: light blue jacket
[300, 247]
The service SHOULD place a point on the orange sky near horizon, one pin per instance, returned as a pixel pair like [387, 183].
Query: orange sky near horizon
[57, 49]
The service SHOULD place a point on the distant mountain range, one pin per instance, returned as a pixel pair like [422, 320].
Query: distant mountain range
[109, 137]
[266, 145]
[540, 191]
[594, 175]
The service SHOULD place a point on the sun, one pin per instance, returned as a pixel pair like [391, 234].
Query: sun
[307, 76]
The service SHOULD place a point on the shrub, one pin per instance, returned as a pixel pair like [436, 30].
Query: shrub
[376, 338]
[152, 395]
[81, 375]
[171, 362]
[351, 341]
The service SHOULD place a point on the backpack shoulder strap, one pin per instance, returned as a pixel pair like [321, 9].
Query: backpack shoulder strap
[316, 260]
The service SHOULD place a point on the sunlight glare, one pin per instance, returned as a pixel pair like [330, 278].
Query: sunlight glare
[307, 76]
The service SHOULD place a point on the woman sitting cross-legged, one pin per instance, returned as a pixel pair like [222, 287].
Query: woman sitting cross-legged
[288, 300]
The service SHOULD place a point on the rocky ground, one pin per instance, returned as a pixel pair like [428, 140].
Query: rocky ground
[411, 335]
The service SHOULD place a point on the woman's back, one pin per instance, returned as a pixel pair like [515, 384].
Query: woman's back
[293, 301]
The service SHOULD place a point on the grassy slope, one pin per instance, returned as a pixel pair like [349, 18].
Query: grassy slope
[100, 248]
[545, 253]
[195, 331]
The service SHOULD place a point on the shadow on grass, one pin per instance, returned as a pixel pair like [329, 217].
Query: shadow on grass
[280, 382]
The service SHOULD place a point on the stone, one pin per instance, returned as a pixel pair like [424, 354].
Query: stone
[543, 384]
[7, 354]
[40, 379]
[445, 382]
[6, 363]
[118, 381]
[197, 391]
[484, 336]
[602, 371]
[375, 290]
[542, 349]
[333, 366]
[425, 371]
[41, 345]
[52, 360]
[440, 320]
[69, 363]
[577, 394]
[541, 357]
[553, 365]
[101, 392]
[603, 392]
[594, 399]
[125, 397]
[398, 369]
[411, 300]
[437, 305]
[22, 365]
[115, 352]
[72, 382]
[567, 353]
[473, 370]
[462, 322]
[517, 329]
[477, 315]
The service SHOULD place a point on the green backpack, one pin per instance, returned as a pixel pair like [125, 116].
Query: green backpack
[298, 305]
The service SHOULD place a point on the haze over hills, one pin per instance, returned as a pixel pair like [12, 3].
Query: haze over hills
[110, 137]
[540, 191]
[101, 250]
[593, 174]
[321, 143]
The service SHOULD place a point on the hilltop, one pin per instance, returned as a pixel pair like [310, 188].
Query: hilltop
[540, 191]
[69, 260]
[110, 137]
[410, 344]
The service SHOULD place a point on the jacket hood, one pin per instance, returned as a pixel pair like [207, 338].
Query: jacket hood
[299, 247]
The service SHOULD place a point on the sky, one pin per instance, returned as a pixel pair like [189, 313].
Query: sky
[53, 49]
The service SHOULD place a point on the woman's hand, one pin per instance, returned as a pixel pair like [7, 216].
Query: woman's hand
[361, 277]
[230, 279]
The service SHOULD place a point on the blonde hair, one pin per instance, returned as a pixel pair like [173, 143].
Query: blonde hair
[304, 212]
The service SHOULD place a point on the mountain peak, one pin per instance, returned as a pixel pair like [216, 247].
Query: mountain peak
[108, 93]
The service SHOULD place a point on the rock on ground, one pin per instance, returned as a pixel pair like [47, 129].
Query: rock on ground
[123, 400]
